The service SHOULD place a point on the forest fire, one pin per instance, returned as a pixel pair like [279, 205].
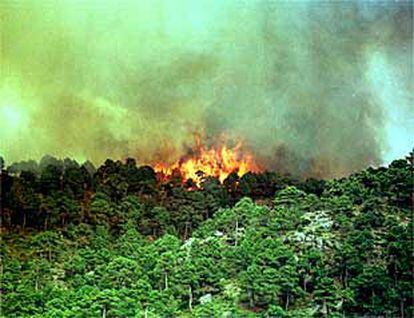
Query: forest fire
[216, 161]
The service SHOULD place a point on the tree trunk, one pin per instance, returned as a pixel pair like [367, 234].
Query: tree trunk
[46, 221]
[190, 299]
[305, 283]
[24, 220]
[287, 302]
[251, 298]
[346, 277]
[186, 230]
[63, 219]
[165, 281]
[372, 298]
[395, 274]
[237, 230]
[324, 309]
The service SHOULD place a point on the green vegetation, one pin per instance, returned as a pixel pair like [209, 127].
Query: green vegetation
[117, 242]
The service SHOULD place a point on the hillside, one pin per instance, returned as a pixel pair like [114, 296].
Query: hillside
[118, 242]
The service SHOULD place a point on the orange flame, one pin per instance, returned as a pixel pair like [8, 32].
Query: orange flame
[218, 162]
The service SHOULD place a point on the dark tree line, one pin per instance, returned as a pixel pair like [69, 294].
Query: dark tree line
[55, 193]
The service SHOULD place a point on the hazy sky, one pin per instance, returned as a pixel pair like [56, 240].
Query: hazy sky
[312, 87]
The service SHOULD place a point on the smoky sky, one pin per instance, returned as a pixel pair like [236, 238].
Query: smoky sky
[313, 88]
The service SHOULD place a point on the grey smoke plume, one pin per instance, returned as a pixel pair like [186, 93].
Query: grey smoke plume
[313, 88]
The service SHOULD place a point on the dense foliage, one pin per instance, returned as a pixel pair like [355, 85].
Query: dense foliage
[118, 242]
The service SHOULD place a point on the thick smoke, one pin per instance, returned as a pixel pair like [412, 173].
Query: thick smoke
[309, 86]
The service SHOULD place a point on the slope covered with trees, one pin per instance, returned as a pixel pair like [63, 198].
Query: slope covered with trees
[118, 242]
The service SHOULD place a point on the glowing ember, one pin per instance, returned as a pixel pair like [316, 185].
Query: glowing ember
[218, 162]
